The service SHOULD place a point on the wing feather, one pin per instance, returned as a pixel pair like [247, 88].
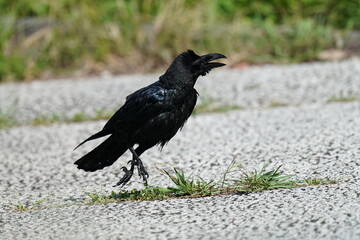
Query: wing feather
[139, 107]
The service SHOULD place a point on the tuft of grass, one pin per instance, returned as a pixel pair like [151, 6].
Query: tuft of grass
[277, 104]
[342, 99]
[101, 114]
[46, 120]
[319, 181]
[36, 206]
[148, 193]
[21, 207]
[184, 186]
[264, 180]
[78, 117]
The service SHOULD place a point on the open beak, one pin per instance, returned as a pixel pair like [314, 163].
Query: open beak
[213, 56]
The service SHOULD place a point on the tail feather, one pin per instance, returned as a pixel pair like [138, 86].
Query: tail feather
[100, 134]
[103, 155]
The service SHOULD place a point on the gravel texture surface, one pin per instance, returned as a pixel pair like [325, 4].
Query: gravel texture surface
[252, 88]
[310, 138]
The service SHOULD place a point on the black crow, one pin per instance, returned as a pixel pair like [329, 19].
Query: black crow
[152, 115]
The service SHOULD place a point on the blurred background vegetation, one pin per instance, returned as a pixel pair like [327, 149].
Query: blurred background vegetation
[44, 39]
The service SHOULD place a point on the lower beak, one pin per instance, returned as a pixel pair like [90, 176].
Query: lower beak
[213, 56]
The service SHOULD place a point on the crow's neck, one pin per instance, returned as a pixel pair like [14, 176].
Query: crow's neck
[177, 81]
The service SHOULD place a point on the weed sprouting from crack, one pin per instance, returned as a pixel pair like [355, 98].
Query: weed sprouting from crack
[342, 99]
[263, 180]
[28, 207]
[188, 187]
[318, 181]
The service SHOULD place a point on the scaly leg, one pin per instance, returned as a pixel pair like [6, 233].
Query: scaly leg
[128, 173]
[140, 167]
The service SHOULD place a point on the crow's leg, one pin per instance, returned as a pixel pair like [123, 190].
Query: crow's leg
[137, 161]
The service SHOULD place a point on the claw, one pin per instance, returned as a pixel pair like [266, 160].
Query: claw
[143, 174]
[126, 177]
[142, 171]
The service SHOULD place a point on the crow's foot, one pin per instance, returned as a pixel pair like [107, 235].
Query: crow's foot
[127, 176]
[141, 170]
[140, 167]
[129, 172]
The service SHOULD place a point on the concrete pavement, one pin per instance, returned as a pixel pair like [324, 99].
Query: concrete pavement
[309, 137]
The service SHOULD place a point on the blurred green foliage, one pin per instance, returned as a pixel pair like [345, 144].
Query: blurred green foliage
[45, 38]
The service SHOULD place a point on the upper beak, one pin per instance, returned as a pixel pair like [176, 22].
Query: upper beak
[213, 56]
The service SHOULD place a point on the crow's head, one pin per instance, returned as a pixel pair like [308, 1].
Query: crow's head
[188, 66]
[201, 65]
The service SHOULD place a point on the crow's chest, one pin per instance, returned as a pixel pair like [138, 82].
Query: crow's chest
[180, 104]
[177, 109]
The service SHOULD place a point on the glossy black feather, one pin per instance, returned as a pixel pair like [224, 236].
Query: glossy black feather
[152, 115]
[103, 155]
